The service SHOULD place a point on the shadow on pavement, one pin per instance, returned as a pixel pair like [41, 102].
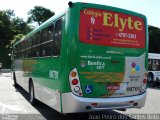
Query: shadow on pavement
[150, 87]
[51, 114]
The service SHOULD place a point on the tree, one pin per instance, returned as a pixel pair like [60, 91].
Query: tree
[5, 26]
[10, 26]
[20, 26]
[14, 40]
[39, 14]
[154, 39]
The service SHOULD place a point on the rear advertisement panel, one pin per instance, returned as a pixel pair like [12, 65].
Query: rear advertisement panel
[109, 28]
[109, 72]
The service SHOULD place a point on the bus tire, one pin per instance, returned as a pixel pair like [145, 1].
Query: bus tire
[31, 93]
[14, 79]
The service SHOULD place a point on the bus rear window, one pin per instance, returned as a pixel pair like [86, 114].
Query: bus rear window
[109, 28]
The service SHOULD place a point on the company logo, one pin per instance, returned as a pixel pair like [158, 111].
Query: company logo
[93, 20]
[83, 64]
[98, 64]
[135, 68]
[112, 19]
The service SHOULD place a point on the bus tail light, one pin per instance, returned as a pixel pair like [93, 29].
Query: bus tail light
[73, 73]
[144, 81]
[145, 78]
[75, 83]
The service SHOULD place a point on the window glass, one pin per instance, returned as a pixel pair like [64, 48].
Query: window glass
[29, 42]
[15, 52]
[154, 65]
[47, 41]
[36, 38]
[24, 44]
[50, 32]
[19, 47]
[35, 51]
[28, 53]
[57, 38]
[46, 49]
[23, 53]
[44, 35]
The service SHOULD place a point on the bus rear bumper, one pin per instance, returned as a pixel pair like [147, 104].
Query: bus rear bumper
[73, 104]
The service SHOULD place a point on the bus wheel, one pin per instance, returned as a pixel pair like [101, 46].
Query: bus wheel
[31, 93]
[15, 82]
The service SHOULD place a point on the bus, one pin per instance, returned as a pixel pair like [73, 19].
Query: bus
[91, 57]
[153, 67]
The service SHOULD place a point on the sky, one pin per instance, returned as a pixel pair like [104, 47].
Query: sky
[150, 8]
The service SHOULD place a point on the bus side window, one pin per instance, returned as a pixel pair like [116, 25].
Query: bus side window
[19, 49]
[36, 45]
[47, 41]
[57, 38]
[44, 35]
[28, 47]
[23, 51]
[35, 51]
[15, 52]
[149, 64]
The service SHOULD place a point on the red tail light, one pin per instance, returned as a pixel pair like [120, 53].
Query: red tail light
[144, 81]
[74, 82]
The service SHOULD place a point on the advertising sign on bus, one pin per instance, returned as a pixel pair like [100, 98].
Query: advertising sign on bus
[109, 28]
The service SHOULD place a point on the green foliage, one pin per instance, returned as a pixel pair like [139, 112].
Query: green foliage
[14, 40]
[11, 25]
[4, 57]
[154, 39]
[39, 14]
[11, 29]
[5, 26]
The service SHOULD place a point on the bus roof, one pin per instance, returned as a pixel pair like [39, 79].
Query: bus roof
[153, 56]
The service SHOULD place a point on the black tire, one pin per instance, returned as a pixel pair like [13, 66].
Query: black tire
[32, 99]
[15, 82]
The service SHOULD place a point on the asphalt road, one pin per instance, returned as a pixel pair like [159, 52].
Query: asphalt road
[14, 105]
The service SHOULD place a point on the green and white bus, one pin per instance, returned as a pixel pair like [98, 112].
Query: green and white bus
[89, 58]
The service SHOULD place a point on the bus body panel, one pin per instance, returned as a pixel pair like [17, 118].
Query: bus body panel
[45, 77]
